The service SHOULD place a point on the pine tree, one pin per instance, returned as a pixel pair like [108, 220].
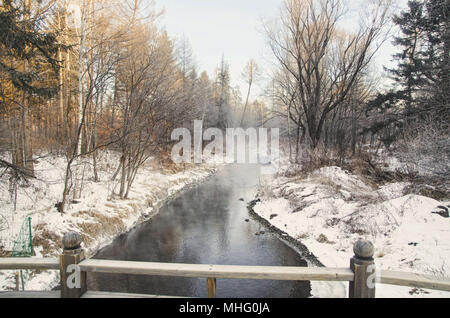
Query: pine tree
[27, 68]
[23, 39]
[222, 94]
[422, 72]
[409, 72]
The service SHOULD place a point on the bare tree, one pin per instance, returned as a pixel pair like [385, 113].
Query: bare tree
[323, 60]
[147, 100]
[250, 74]
[97, 60]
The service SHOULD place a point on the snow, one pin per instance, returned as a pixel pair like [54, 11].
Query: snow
[331, 208]
[328, 210]
[98, 216]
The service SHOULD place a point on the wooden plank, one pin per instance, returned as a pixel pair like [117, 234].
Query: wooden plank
[414, 280]
[88, 294]
[17, 276]
[100, 294]
[8, 263]
[211, 287]
[218, 271]
[31, 294]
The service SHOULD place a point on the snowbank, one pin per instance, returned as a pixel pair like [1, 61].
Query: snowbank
[97, 216]
[331, 208]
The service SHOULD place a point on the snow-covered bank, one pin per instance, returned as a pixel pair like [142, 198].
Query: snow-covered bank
[97, 216]
[331, 208]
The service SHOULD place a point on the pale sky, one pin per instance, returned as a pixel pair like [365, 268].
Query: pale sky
[232, 28]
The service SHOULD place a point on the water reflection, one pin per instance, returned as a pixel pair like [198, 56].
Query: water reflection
[206, 225]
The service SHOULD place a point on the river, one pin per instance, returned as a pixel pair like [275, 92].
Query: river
[209, 224]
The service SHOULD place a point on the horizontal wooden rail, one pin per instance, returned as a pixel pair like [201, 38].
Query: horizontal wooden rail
[360, 275]
[29, 263]
[414, 280]
[88, 294]
[260, 272]
[218, 271]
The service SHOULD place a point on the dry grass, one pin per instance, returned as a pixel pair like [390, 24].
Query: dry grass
[100, 224]
[96, 224]
[266, 191]
[327, 182]
[110, 205]
[303, 236]
[49, 241]
[430, 187]
[3, 252]
[134, 207]
[165, 164]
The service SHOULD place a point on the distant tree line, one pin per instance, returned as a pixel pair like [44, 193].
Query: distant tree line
[77, 77]
[331, 103]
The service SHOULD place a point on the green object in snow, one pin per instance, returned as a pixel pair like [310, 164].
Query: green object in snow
[23, 245]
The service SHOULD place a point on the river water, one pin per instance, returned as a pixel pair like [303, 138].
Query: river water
[208, 224]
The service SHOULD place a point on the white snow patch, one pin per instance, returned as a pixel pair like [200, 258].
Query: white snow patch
[331, 209]
[106, 216]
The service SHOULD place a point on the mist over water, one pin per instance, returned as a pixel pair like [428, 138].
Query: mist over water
[209, 224]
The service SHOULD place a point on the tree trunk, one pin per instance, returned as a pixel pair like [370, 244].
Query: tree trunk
[297, 144]
[123, 176]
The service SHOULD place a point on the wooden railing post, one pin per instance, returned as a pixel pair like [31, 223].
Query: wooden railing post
[17, 281]
[211, 287]
[73, 281]
[363, 267]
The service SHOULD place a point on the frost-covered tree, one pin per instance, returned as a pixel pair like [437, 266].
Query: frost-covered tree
[322, 61]
[222, 93]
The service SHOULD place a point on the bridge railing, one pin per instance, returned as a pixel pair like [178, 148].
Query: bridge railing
[362, 274]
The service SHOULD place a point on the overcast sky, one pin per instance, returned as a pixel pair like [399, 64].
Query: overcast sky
[232, 28]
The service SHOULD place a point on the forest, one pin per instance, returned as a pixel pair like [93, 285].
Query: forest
[103, 75]
[91, 91]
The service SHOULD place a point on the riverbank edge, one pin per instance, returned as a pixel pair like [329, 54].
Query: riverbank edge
[103, 239]
[143, 218]
[297, 245]
[147, 218]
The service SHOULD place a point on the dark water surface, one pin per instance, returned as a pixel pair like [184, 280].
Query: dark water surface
[205, 225]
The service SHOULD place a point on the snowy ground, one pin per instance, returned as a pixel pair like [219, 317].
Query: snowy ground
[98, 216]
[330, 209]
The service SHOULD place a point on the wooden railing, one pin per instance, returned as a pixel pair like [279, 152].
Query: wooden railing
[361, 275]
